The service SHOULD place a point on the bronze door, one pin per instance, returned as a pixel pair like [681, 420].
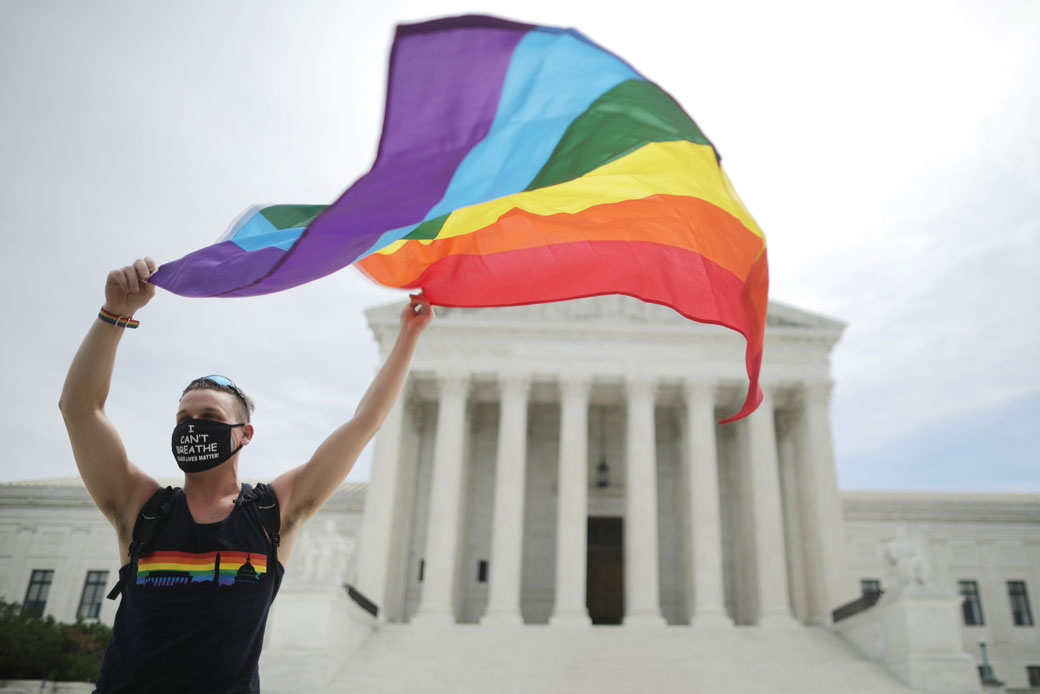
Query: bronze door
[605, 571]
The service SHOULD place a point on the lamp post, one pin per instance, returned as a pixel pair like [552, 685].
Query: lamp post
[602, 470]
[985, 671]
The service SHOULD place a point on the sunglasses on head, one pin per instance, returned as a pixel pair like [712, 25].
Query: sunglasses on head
[227, 383]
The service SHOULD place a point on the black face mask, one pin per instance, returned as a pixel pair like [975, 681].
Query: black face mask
[201, 444]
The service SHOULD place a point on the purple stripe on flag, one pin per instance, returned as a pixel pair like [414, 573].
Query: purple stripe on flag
[216, 269]
[446, 78]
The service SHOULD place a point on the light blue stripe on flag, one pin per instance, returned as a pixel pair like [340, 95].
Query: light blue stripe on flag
[256, 233]
[553, 78]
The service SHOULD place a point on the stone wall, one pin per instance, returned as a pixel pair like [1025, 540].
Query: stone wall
[987, 538]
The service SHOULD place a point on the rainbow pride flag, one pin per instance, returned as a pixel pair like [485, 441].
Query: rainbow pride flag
[518, 164]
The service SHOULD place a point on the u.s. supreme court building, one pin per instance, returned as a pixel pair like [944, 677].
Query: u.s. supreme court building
[553, 507]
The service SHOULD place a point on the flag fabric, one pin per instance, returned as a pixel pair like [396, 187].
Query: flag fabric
[518, 164]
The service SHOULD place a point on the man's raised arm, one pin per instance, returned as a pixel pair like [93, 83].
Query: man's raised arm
[118, 487]
[302, 490]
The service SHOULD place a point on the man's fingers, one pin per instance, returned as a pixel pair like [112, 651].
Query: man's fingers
[420, 304]
[131, 279]
[141, 267]
[119, 278]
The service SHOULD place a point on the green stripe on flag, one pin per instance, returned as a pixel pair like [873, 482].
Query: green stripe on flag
[428, 229]
[621, 120]
[291, 216]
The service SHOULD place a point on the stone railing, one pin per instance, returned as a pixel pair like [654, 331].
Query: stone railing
[363, 602]
[864, 602]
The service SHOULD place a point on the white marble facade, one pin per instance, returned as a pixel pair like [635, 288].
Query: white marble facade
[487, 472]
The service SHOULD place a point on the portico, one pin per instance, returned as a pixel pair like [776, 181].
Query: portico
[522, 424]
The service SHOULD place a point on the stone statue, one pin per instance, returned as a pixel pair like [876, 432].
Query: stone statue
[907, 564]
[323, 557]
[306, 556]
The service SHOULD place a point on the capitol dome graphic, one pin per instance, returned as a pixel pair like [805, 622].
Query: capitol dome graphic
[246, 572]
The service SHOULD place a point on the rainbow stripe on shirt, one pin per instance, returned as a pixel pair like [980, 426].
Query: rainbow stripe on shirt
[226, 567]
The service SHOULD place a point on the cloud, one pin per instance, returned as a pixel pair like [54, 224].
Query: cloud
[988, 448]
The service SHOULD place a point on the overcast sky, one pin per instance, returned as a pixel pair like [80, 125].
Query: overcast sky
[890, 151]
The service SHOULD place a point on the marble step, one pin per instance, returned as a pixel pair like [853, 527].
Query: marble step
[608, 660]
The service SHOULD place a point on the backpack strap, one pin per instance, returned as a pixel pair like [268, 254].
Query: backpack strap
[152, 517]
[270, 515]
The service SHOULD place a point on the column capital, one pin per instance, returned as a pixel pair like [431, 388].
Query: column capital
[700, 386]
[771, 385]
[786, 419]
[453, 382]
[514, 383]
[413, 407]
[640, 385]
[769, 390]
[576, 383]
[817, 391]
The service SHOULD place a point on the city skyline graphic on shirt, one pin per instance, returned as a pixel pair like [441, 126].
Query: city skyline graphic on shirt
[225, 567]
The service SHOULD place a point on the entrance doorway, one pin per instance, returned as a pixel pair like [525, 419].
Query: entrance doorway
[605, 571]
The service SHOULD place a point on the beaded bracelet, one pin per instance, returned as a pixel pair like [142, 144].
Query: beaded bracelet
[118, 321]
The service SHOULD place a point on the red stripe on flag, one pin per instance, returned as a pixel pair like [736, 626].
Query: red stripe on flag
[686, 281]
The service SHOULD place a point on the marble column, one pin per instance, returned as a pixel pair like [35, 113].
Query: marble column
[642, 591]
[572, 503]
[380, 501]
[705, 586]
[830, 582]
[507, 530]
[442, 528]
[770, 549]
[788, 425]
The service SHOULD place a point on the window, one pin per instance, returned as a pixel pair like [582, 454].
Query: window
[972, 605]
[422, 568]
[870, 586]
[1033, 673]
[1020, 612]
[482, 569]
[36, 595]
[93, 592]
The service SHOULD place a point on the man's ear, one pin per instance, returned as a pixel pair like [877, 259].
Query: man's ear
[246, 435]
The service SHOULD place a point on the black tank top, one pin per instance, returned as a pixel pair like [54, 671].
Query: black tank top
[193, 619]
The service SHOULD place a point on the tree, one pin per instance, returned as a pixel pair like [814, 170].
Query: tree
[35, 648]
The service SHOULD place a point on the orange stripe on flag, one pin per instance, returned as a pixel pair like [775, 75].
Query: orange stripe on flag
[683, 222]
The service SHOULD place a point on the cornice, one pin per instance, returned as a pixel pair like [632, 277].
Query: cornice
[941, 506]
[611, 314]
[69, 492]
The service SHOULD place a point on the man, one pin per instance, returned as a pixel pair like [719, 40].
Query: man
[194, 607]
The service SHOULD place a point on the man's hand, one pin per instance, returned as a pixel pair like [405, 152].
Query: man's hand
[416, 315]
[127, 289]
[302, 490]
